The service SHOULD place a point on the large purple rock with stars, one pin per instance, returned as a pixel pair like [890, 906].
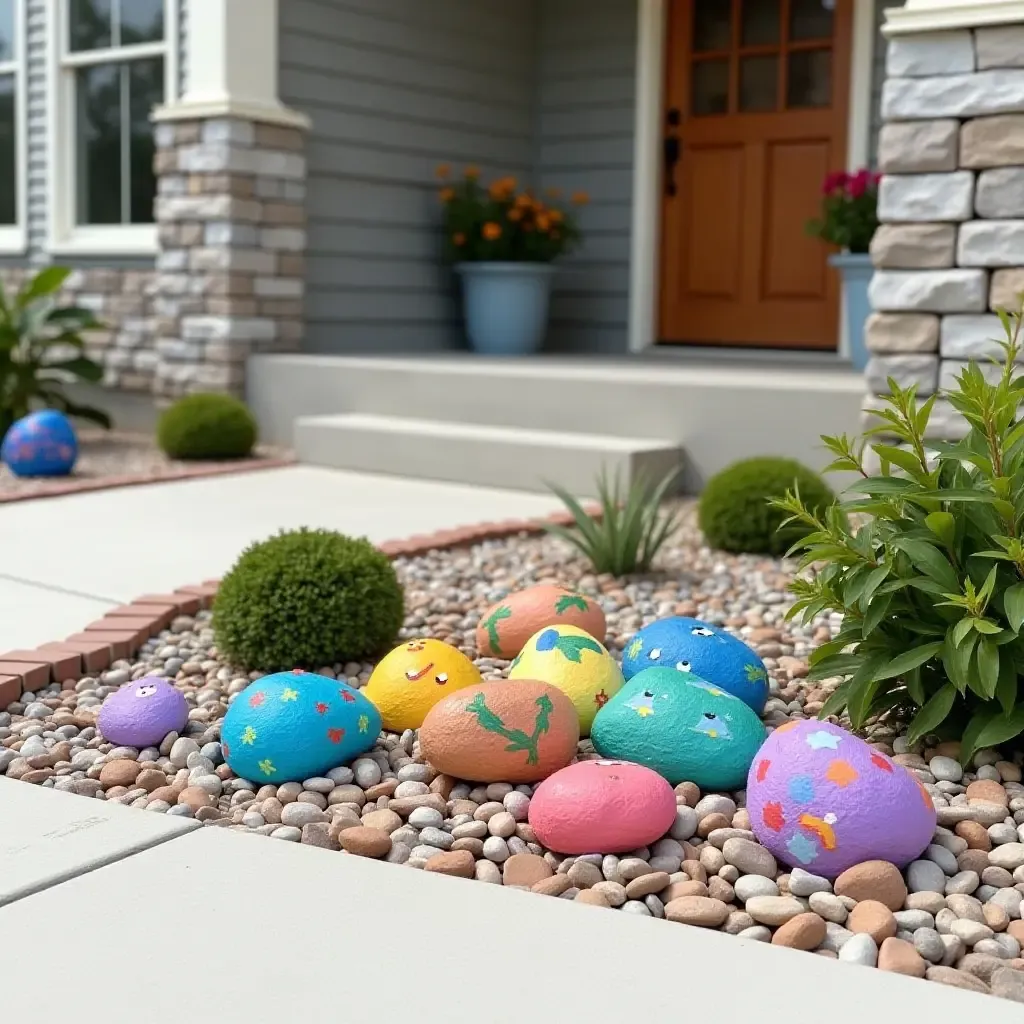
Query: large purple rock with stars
[142, 713]
[40, 444]
[823, 800]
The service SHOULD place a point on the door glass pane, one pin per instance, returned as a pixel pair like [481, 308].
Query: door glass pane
[759, 84]
[810, 19]
[98, 144]
[142, 21]
[810, 79]
[8, 152]
[710, 88]
[761, 22]
[8, 46]
[712, 25]
[90, 24]
[146, 91]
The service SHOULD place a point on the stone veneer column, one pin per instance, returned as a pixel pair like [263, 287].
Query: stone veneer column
[950, 248]
[231, 270]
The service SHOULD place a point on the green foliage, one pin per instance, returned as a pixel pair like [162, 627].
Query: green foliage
[207, 426]
[735, 511]
[42, 349]
[307, 599]
[849, 210]
[931, 584]
[631, 528]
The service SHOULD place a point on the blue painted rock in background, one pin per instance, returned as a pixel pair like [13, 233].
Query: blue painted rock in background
[40, 444]
[709, 652]
[684, 728]
[293, 726]
[142, 713]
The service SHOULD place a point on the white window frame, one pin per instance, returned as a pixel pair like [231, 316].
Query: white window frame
[13, 236]
[67, 237]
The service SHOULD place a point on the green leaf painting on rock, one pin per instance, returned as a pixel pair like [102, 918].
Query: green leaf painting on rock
[563, 604]
[491, 625]
[571, 647]
[518, 740]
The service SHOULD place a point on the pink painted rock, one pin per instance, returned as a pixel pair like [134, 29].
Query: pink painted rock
[822, 799]
[602, 807]
[142, 713]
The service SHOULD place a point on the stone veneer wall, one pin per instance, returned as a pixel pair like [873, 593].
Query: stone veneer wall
[950, 248]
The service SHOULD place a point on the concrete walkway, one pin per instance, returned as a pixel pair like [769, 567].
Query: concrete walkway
[65, 561]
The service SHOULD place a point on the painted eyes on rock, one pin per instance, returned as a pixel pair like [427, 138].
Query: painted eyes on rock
[145, 691]
[710, 716]
[683, 666]
[608, 764]
[442, 678]
[654, 654]
[701, 631]
[416, 645]
[647, 693]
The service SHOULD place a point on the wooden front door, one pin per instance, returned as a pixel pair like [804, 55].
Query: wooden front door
[755, 117]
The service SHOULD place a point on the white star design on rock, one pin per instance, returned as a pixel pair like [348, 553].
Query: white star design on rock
[822, 740]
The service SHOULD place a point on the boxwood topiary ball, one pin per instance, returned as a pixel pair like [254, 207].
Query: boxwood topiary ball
[306, 599]
[207, 427]
[735, 514]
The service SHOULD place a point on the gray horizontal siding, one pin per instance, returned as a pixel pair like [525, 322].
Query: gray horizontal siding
[395, 88]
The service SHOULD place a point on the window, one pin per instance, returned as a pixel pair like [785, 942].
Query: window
[12, 153]
[115, 65]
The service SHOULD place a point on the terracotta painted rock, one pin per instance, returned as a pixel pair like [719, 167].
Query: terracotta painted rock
[414, 677]
[602, 807]
[42, 443]
[509, 624]
[682, 727]
[571, 659]
[519, 731]
[821, 799]
[709, 652]
[293, 726]
[142, 713]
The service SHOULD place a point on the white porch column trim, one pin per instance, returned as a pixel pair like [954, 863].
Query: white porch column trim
[231, 64]
[937, 15]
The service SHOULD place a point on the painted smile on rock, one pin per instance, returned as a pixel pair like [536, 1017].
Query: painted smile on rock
[412, 675]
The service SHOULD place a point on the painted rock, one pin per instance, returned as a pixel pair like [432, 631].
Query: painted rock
[571, 659]
[682, 727]
[518, 731]
[709, 652]
[602, 807]
[40, 444]
[293, 726]
[142, 713]
[414, 677]
[821, 799]
[508, 625]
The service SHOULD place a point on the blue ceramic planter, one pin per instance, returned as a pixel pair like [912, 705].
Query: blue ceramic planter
[505, 306]
[855, 269]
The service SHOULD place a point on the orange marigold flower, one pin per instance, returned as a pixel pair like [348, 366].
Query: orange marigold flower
[581, 198]
[472, 172]
[543, 222]
[444, 170]
[492, 231]
[447, 195]
[499, 190]
[515, 215]
[524, 200]
[459, 238]
[556, 216]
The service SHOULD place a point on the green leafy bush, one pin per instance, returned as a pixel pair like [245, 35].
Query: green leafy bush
[930, 584]
[630, 528]
[207, 426]
[736, 514]
[306, 599]
[41, 347]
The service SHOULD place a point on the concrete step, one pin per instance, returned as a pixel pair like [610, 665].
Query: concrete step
[480, 454]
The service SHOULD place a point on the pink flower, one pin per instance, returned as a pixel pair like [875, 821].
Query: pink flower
[834, 182]
[859, 183]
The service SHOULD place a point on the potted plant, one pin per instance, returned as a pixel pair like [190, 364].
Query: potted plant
[503, 243]
[849, 219]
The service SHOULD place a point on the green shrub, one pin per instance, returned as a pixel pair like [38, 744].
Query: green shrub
[930, 586]
[306, 599]
[207, 426]
[629, 529]
[735, 511]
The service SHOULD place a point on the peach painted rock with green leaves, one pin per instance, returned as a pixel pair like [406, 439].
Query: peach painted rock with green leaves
[520, 731]
[509, 624]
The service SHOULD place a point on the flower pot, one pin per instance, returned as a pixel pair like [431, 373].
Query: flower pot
[505, 306]
[855, 269]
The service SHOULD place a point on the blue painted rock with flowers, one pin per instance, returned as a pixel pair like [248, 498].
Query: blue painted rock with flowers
[293, 726]
[681, 726]
[40, 444]
[690, 645]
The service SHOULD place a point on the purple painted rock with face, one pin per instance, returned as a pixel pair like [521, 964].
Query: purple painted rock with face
[823, 800]
[142, 713]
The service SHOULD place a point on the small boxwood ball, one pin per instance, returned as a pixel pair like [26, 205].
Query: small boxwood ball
[207, 426]
[705, 650]
[40, 444]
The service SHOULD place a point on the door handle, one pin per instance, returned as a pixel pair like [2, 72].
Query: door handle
[673, 149]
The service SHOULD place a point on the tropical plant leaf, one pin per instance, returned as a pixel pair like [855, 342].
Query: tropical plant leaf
[989, 729]
[933, 714]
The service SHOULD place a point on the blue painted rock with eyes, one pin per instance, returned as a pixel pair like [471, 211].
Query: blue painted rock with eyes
[705, 650]
[684, 728]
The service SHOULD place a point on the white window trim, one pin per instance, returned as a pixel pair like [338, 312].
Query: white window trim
[13, 237]
[66, 238]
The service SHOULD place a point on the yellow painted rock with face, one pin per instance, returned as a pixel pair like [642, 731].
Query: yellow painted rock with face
[570, 659]
[414, 677]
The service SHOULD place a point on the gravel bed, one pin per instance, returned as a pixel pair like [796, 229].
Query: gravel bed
[953, 917]
[113, 456]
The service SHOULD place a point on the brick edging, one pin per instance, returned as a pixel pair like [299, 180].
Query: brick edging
[125, 629]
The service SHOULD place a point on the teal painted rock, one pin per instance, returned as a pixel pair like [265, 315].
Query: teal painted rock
[684, 728]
